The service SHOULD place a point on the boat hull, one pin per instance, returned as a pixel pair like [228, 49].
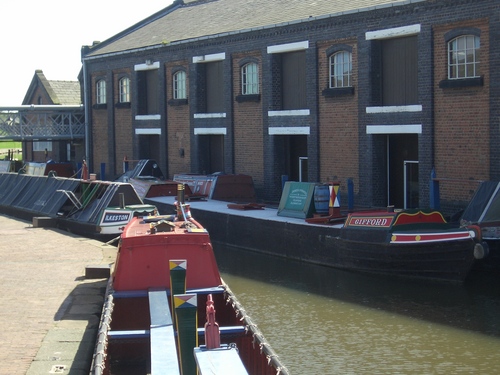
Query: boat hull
[448, 261]
[363, 250]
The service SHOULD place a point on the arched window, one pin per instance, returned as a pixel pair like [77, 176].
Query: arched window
[101, 92]
[340, 69]
[463, 57]
[179, 85]
[250, 79]
[124, 87]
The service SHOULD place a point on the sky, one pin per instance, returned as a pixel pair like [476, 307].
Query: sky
[48, 35]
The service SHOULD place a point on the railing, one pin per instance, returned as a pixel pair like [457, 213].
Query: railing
[42, 122]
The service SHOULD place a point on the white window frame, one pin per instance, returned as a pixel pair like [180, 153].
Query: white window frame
[179, 85]
[250, 79]
[101, 91]
[468, 67]
[42, 145]
[340, 69]
[124, 87]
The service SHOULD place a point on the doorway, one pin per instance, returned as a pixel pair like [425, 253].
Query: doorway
[294, 156]
[211, 153]
[402, 170]
[149, 147]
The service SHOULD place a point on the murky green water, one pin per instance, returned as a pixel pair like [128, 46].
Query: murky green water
[325, 321]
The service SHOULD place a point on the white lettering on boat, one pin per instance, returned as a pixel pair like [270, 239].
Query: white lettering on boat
[378, 221]
[371, 222]
[111, 217]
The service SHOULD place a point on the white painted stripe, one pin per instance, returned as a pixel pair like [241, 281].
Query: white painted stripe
[290, 130]
[147, 117]
[393, 33]
[293, 112]
[394, 129]
[155, 65]
[394, 109]
[280, 48]
[209, 58]
[210, 115]
[150, 131]
[210, 131]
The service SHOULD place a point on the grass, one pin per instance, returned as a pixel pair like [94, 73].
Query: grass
[9, 145]
[5, 146]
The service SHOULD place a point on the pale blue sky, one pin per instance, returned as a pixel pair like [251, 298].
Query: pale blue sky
[48, 35]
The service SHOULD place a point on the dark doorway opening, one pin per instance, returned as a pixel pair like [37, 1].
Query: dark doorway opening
[403, 180]
[211, 153]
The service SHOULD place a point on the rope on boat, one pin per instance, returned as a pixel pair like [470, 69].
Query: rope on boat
[258, 338]
[99, 358]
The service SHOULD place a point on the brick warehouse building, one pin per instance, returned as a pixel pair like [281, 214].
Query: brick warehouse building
[380, 92]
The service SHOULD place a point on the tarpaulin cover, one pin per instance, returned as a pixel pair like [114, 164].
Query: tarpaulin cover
[40, 195]
[37, 194]
[485, 205]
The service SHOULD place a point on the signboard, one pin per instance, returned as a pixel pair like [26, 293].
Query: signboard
[111, 217]
[297, 200]
[369, 221]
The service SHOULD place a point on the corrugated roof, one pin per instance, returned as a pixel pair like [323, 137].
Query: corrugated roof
[197, 19]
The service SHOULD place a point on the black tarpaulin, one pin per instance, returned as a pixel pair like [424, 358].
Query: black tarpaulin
[485, 205]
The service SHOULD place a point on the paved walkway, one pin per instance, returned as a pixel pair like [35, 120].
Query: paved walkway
[49, 311]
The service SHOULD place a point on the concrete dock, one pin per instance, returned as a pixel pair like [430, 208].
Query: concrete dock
[50, 301]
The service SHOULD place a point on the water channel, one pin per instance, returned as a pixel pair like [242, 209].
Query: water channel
[325, 321]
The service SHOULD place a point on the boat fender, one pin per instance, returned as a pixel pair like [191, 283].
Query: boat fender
[481, 250]
[477, 231]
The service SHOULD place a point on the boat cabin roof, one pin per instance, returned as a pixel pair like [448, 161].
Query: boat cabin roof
[147, 246]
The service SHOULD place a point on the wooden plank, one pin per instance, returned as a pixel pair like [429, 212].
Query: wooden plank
[224, 360]
[162, 336]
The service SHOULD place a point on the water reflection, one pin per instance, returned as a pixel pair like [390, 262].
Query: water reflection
[324, 321]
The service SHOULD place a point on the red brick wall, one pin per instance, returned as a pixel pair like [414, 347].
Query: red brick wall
[248, 128]
[178, 126]
[461, 126]
[338, 119]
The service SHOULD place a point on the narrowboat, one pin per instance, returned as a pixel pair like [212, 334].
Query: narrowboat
[168, 311]
[414, 243]
[483, 211]
[92, 208]
[410, 243]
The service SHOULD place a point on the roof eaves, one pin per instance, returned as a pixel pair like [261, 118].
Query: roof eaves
[242, 31]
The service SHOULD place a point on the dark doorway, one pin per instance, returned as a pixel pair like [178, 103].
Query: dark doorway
[294, 80]
[211, 153]
[214, 87]
[149, 147]
[403, 170]
[400, 71]
[291, 153]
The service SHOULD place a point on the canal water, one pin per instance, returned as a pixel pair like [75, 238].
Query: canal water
[325, 321]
